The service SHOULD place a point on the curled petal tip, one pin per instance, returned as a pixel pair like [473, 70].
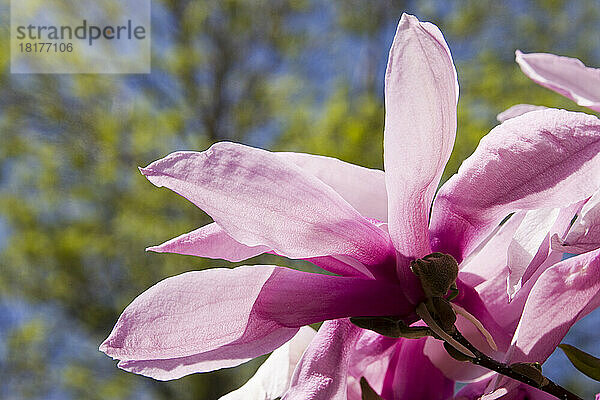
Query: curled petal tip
[408, 19]
[144, 171]
[105, 347]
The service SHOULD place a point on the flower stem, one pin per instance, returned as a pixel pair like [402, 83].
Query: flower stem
[482, 360]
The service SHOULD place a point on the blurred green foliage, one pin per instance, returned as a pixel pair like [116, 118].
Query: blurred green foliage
[280, 74]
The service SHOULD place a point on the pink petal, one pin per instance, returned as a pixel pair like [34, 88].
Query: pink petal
[487, 269]
[542, 159]
[508, 389]
[273, 377]
[371, 359]
[416, 378]
[420, 125]
[545, 252]
[484, 390]
[530, 235]
[347, 266]
[472, 391]
[199, 321]
[584, 235]
[260, 199]
[516, 110]
[567, 76]
[470, 300]
[224, 357]
[364, 188]
[369, 348]
[209, 241]
[561, 296]
[508, 311]
[322, 372]
[491, 257]
[213, 242]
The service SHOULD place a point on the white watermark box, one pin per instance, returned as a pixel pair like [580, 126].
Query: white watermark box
[80, 36]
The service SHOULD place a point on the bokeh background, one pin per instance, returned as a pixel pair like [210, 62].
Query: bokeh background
[295, 75]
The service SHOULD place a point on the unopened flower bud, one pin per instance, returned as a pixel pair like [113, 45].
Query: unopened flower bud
[437, 273]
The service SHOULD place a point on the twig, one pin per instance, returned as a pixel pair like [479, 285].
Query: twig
[482, 360]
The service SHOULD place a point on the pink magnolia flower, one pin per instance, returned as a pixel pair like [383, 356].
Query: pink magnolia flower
[363, 225]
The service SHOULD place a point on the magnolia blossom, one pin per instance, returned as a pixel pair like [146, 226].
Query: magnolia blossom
[366, 226]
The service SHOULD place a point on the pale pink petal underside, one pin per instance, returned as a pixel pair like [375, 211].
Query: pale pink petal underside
[370, 359]
[259, 198]
[217, 318]
[526, 242]
[213, 242]
[322, 372]
[516, 110]
[420, 127]
[542, 159]
[561, 296]
[487, 269]
[209, 241]
[363, 188]
[584, 235]
[273, 377]
[567, 76]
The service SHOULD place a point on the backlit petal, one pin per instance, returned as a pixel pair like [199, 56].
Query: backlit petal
[561, 296]
[542, 159]
[259, 198]
[273, 377]
[322, 372]
[221, 317]
[213, 242]
[363, 188]
[567, 76]
[516, 110]
[526, 242]
[420, 125]
[370, 359]
[209, 241]
[416, 378]
[584, 235]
